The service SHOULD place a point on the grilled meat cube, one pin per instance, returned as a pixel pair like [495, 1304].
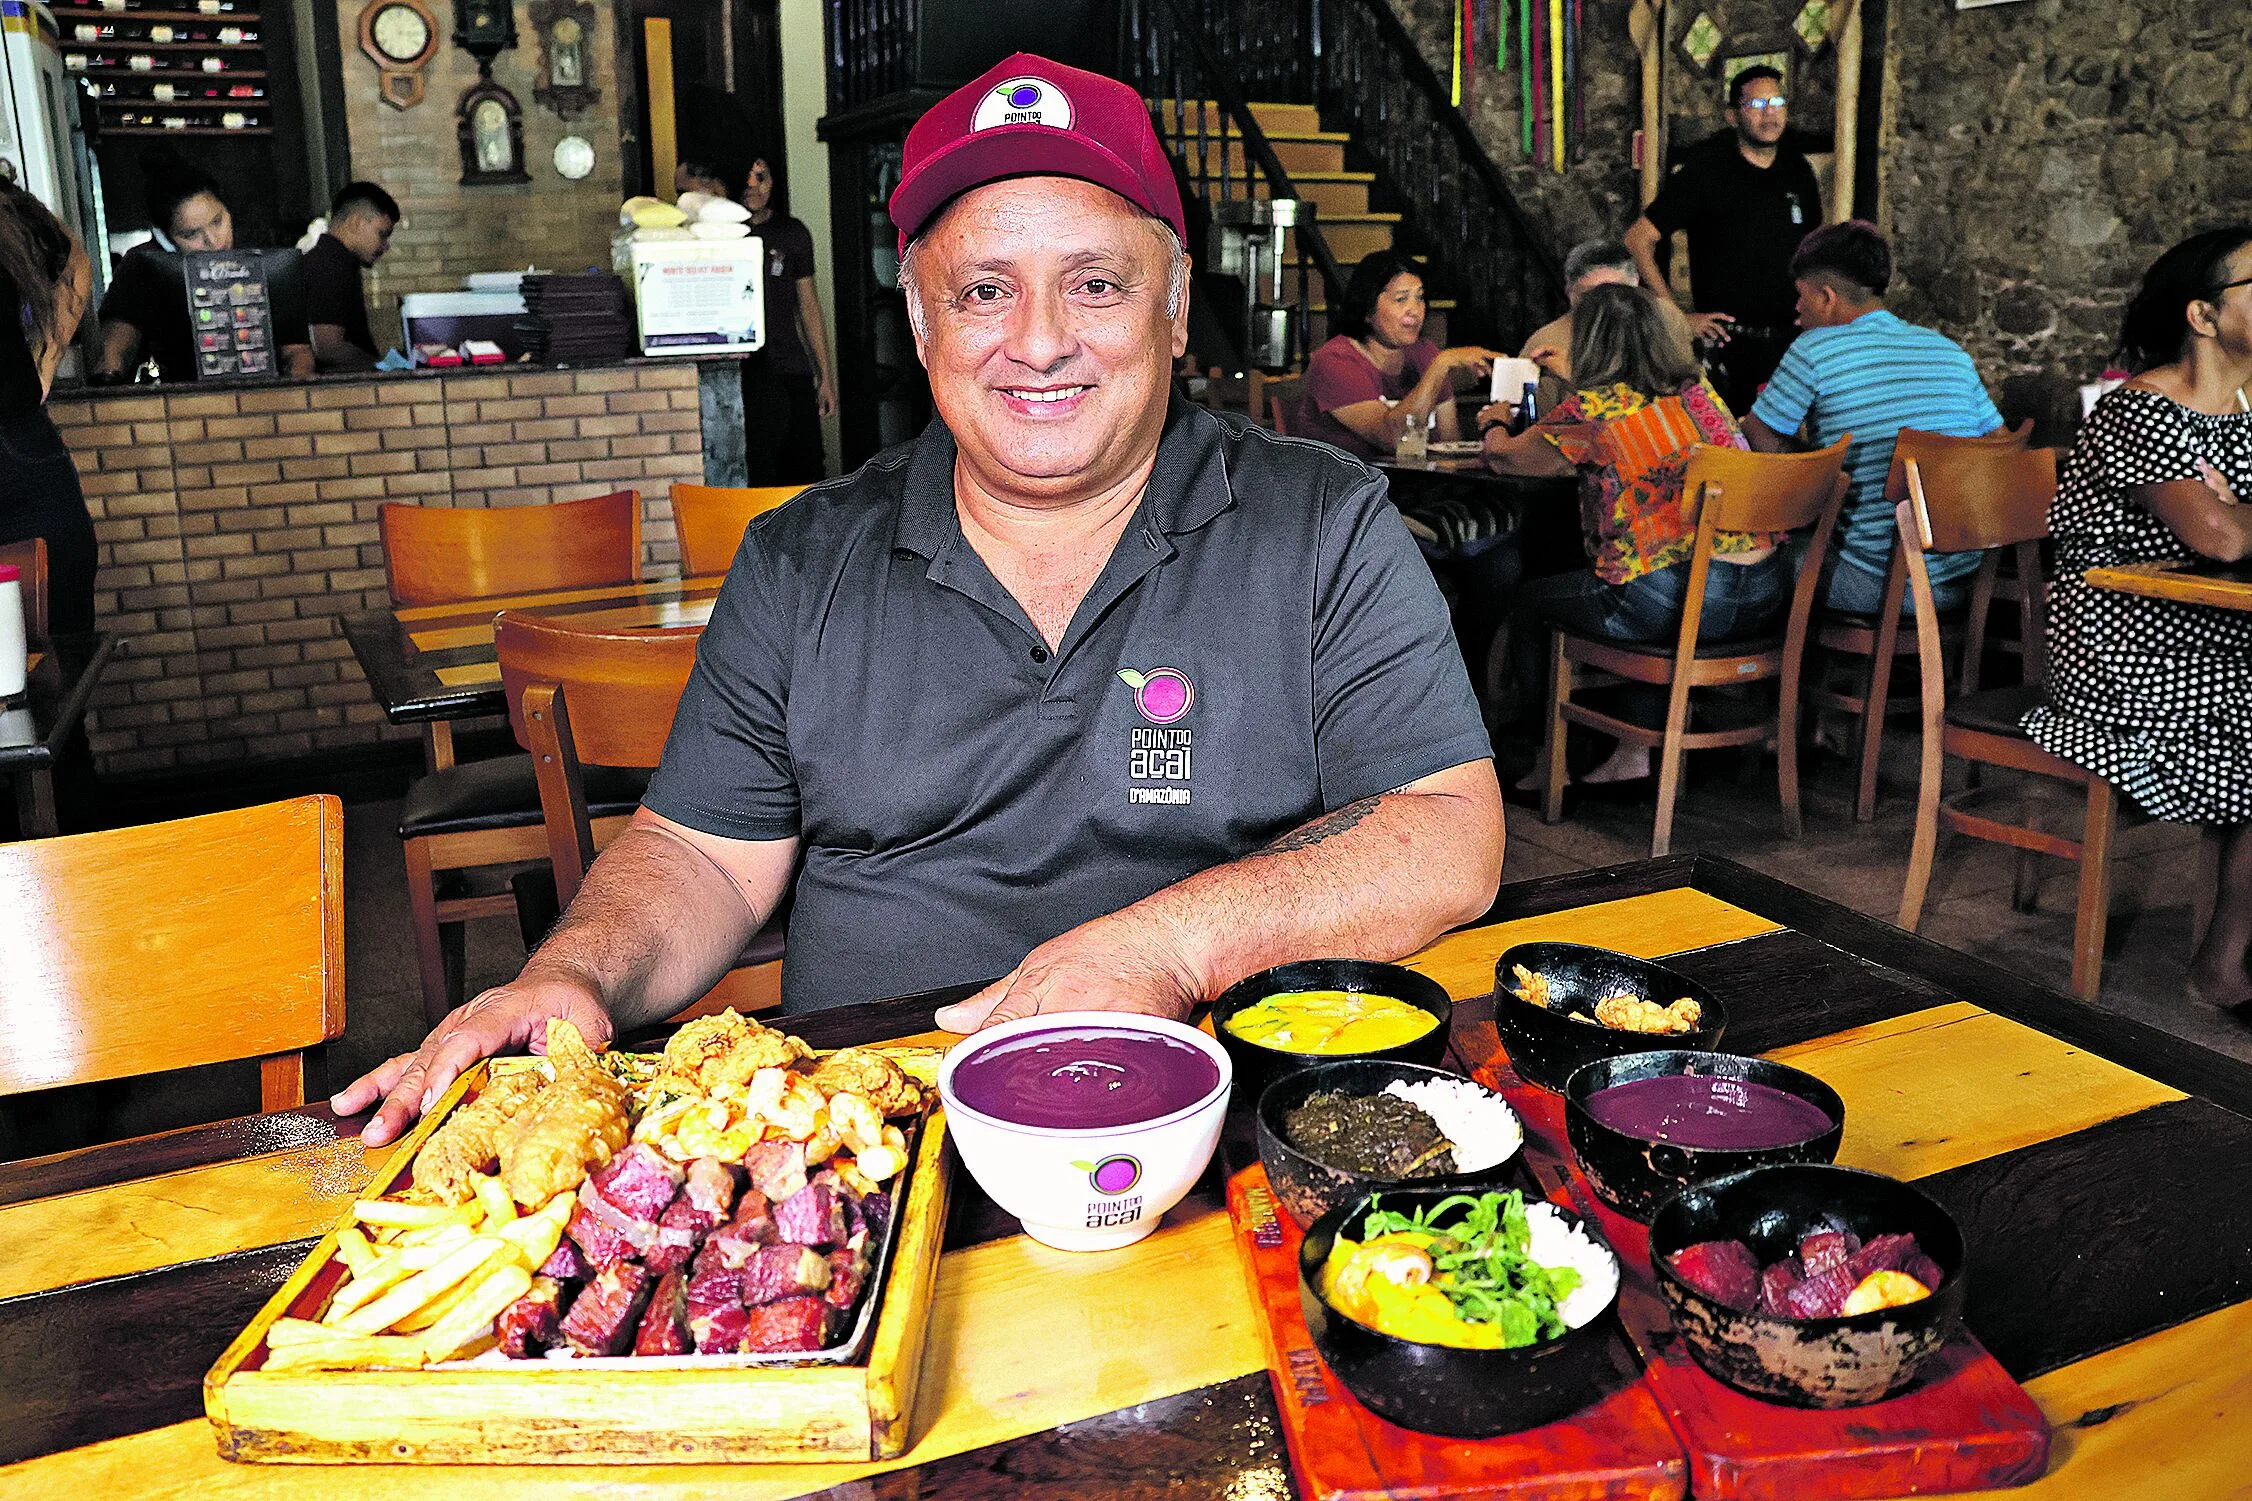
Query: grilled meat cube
[639, 1182]
[603, 1317]
[534, 1322]
[875, 1208]
[715, 1305]
[664, 1328]
[1924, 1270]
[1724, 1270]
[1820, 1295]
[784, 1271]
[848, 1274]
[1774, 1283]
[813, 1216]
[567, 1264]
[1883, 1253]
[751, 1227]
[701, 1208]
[1820, 1251]
[777, 1168]
[792, 1324]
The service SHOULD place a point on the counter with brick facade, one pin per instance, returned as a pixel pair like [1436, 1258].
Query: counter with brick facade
[236, 524]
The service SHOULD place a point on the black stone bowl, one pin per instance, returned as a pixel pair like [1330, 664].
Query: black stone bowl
[1256, 1067]
[1635, 1175]
[1836, 1362]
[1308, 1187]
[1440, 1389]
[1545, 1046]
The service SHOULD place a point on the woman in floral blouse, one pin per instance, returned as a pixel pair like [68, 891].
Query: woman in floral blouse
[1639, 405]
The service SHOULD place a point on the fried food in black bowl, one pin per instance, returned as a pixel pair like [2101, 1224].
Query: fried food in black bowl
[1644, 1125]
[1558, 1031]
[1259, 1064]
[1564, 1363]
[1307, 1159]
[1792, 1222]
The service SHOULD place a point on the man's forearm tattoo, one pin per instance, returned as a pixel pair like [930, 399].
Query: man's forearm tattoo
[1326, 827]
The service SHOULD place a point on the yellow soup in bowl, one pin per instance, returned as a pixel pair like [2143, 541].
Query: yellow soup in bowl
[1328, 1022]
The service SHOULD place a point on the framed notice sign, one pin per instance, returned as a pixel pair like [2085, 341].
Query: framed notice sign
[230, 312]
[700, 296]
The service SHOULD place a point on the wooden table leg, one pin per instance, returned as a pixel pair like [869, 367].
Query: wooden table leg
[437, 744]
[35, 804]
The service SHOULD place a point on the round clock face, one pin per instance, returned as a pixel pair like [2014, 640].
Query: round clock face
[574, 158]
[400, 33]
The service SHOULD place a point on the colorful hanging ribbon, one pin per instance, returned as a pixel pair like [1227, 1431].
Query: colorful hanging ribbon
[1454, 92]
[1556, 82]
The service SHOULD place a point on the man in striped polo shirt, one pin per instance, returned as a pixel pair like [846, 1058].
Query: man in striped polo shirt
[1858, 369]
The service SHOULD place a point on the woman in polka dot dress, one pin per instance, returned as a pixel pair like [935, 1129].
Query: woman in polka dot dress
[2152, 695]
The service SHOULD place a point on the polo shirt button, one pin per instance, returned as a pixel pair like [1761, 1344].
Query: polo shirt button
[1039, 654]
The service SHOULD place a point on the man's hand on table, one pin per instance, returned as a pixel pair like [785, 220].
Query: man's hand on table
[1111, 964]
[509, 1018]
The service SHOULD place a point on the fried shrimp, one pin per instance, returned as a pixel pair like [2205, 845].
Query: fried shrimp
[572, 1126]
[468, 1144]
[726, 1049]
[870, 1075]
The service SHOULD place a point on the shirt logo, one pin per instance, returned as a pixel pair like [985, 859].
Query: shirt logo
[1023, 101]
[1162, 695]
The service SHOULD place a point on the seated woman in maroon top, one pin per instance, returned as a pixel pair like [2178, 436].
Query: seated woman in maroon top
[1379, 370]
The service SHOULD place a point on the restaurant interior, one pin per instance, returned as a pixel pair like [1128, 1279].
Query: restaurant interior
[384, 649]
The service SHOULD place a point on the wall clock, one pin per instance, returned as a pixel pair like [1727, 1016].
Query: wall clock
[399, 37]
[566, 32]
[484, 29]
[490, 126]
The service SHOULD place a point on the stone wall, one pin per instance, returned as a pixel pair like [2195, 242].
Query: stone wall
[2037, 156]
[451, 229]
[235, 526]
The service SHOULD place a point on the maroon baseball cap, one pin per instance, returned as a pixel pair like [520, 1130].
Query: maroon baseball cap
[1029, 117]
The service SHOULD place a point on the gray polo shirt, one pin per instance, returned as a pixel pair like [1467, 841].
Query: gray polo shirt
[1264, 644]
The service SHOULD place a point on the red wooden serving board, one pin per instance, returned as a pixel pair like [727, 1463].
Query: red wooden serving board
[1618, 1449]
[1966, 1426]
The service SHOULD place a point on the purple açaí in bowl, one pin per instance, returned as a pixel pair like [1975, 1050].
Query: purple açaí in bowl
[1086, 1125]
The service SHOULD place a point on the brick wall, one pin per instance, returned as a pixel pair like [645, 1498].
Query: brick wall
[236, 526]
[451, 230]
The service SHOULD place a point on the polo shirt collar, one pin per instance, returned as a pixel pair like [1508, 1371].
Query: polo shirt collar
[1188, 487]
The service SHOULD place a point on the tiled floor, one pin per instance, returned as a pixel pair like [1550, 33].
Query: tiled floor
[1724, 812]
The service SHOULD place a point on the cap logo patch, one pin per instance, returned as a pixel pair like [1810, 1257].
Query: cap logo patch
[1023, 101]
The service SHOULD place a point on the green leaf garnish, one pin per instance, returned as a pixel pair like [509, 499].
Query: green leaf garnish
[1482, 1262]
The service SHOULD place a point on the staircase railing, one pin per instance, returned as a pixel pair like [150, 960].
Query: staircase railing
[1203, 109]
[1356, 63]
[871, 49]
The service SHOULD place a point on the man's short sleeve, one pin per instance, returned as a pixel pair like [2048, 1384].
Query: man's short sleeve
[1669, 211]
[1790, 392]
[797, 251]
[1392, 701]
[332, 292]
[727, 768]
[1337, 376]
[131, 294]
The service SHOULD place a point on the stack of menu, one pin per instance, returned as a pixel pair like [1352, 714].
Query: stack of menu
[580, 319]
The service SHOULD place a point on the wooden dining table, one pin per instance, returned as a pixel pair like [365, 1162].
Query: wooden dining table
[2100, 1170]
[434, 665]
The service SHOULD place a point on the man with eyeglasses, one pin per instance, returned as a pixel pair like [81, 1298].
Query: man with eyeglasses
[1746, 197]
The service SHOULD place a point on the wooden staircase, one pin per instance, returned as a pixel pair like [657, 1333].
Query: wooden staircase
[1210, 151]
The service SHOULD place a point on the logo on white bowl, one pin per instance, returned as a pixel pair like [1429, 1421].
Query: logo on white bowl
[1113, 1175]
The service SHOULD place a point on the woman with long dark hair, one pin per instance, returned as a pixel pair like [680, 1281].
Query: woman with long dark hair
[2151, 695]
[45, 279]
[1378, 371]
[787, 386]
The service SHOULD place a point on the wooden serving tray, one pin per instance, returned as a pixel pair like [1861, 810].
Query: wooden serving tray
[1965, 1426]
[682, 1410]
[1618, 1449]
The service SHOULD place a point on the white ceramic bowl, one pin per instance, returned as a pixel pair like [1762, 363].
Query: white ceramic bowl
[1047, 1176]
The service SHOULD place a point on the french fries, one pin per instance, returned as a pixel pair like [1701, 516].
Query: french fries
[426, 1281]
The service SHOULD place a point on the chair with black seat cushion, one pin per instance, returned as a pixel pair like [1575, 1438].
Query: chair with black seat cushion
[1991, 502]
[487, 813]
[1877, 638]
[1730, 490]
[587, 702]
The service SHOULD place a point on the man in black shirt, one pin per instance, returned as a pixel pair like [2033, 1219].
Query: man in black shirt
[1746, 197]
[360, 222]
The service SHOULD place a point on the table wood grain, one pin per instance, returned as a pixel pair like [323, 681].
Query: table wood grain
[2103, 1171]
[2201, 583]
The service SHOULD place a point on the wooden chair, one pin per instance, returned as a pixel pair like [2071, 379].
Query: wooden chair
[578, 696]
[172, 945]
[31, 559]
[710, 520]
[1281, 395]
[1877, 638]
[487, 813]
[1733, 491]
[1997, 500]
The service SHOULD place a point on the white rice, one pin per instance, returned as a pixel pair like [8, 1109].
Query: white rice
[1483, 1128]
[1557, 1243]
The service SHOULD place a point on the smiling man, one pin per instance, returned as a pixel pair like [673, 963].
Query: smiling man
[1085, 688]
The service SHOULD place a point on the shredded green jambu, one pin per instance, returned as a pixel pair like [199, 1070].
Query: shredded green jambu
[1482, 1262]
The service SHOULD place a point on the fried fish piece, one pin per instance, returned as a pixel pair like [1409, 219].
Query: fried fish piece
[727, 1049]
[1631, 1013]
[574, 1125]
[468, 1144]
[870, 1075]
